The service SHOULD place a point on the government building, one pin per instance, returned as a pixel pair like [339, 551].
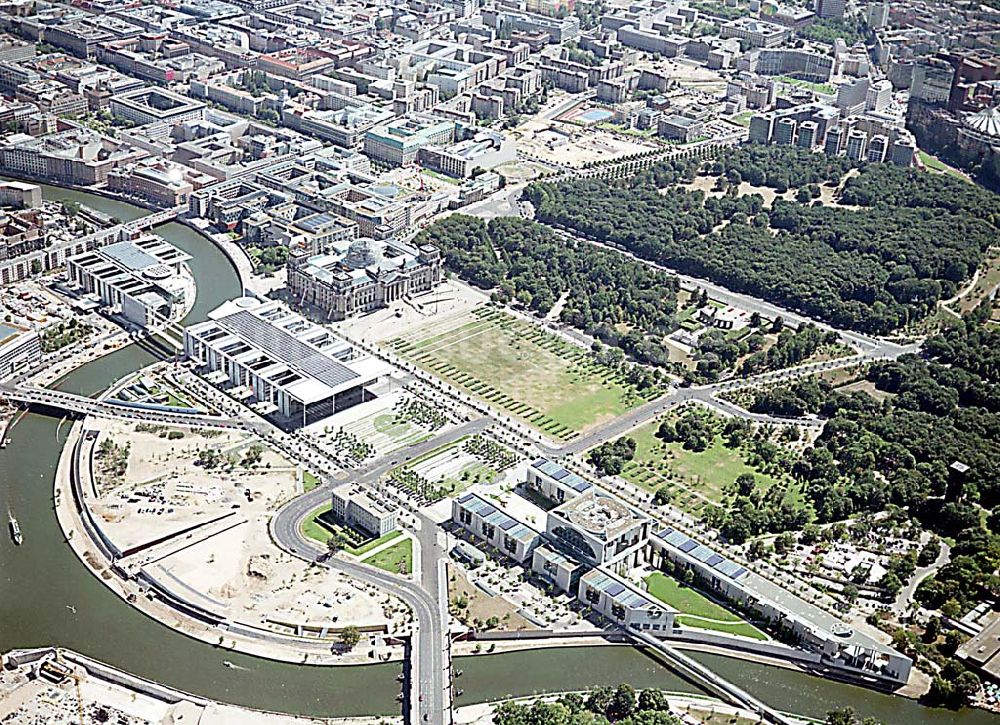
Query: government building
[361, 275]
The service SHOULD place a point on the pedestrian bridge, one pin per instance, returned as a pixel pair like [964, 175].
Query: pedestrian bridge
[82, 405]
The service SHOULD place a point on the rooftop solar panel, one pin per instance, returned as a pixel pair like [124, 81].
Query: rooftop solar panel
[702, 553]
[714, 559]
[727, 567]
[688, 545]
[738, 573]
[130, 256]
[289, 349]
[614, 589]
[508, 524]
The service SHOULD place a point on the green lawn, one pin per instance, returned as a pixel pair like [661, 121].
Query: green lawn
[703, 612]
[743, 119]
[932, 162]
[824, 88]
[309, 481]
[397, 559]
[313, 528]
[706, 472]
[365, 548]
[537, 377]
[741, 629]
[320, 526]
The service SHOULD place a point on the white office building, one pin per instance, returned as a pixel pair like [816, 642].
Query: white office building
[358, 508]
[20, 349]
[144, 279]
[279, 362]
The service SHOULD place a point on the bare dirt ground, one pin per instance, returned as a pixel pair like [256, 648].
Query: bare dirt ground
[202, 532]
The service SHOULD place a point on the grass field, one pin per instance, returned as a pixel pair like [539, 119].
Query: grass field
[309, 481]
[935, 164]
[535, 376]
[397, 559]
[824, 88]
[698, 610]
[696, 479]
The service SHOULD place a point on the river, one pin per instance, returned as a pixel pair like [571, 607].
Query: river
[43, 578]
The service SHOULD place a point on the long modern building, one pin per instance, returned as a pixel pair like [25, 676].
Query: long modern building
[840, 645]
[142, 278]
[19, 348]
[289, 368]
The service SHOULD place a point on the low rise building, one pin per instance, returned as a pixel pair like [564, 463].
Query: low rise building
[757, 33]
[142, 278]
[494, 526]
[148, 105]
[399, 142]
[679, 128]
[486, 150]
[358, 508]
[621, 602]
[555, 482]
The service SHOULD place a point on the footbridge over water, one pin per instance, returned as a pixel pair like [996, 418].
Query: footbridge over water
[714, 683]
[82, 405]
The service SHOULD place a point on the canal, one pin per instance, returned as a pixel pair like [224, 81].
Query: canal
[42, 583]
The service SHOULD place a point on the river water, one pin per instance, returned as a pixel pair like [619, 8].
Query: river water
[41, 579]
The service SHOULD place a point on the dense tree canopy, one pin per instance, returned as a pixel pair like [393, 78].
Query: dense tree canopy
[914, 238]
[779, 167]
[941, 408]
[620, 301]
[601, 706]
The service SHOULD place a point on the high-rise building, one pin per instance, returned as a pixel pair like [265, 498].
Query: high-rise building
[834, 140]
[932, 81]
[808, 132]
[851, 96]
[878, 15]
[903, 151]
[856, 141]
[761, 127]
[879, 96]
[784, 132]
[878, 146]
[830, 8]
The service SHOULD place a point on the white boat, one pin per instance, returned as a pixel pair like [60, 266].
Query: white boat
[15, 530]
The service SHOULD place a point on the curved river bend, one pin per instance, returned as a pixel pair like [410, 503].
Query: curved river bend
[41, 579]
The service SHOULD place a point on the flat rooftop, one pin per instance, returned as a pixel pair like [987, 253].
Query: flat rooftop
[598, 513]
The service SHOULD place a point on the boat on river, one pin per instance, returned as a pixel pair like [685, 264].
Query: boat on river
[15, 530]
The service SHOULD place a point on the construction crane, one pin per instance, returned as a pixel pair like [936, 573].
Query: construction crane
[76, 686]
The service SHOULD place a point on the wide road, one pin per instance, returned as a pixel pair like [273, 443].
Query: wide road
[706, 394]
[429, 661]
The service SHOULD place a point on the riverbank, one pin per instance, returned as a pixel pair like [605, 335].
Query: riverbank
[174, 606]
[49, 598]
[236, 255]
[74, 685]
